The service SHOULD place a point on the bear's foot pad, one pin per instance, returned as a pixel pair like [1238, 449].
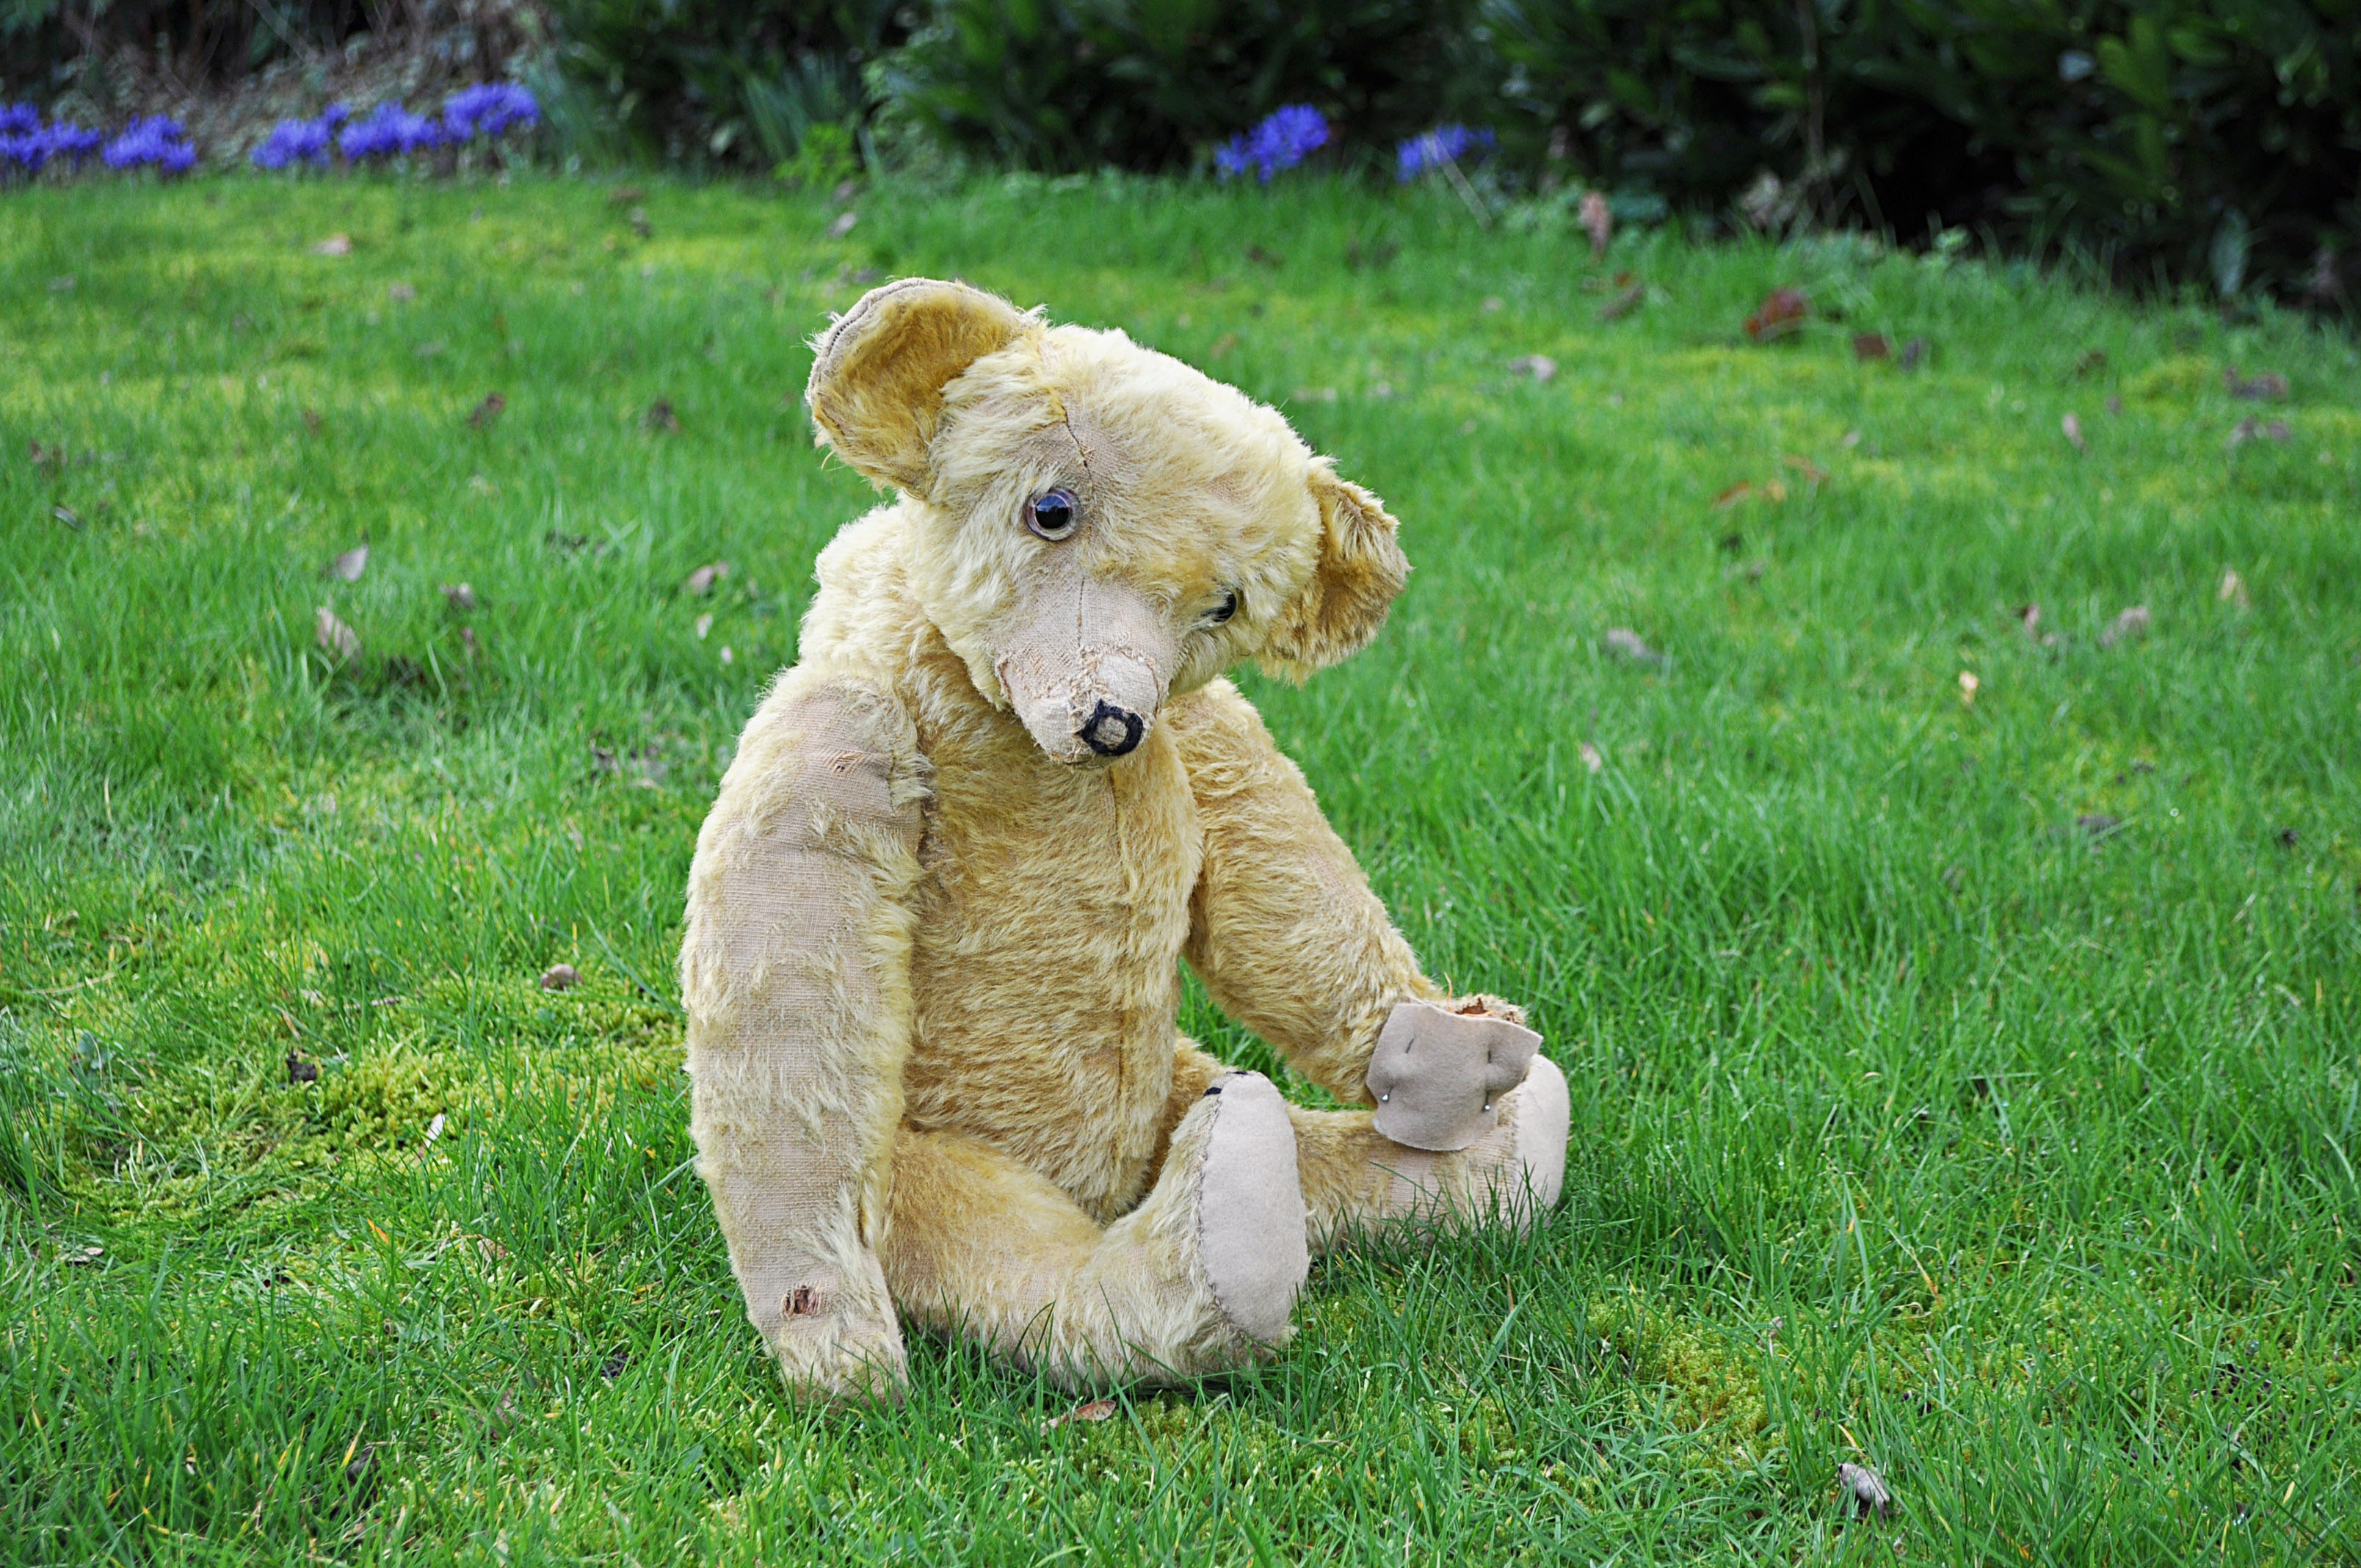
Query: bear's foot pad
[1250, 1224]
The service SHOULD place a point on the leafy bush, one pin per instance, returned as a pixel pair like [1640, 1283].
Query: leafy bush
[2206, 138]
[1156, 84]
[726, 81]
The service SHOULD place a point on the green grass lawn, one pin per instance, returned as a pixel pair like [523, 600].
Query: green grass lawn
[1964, 1076]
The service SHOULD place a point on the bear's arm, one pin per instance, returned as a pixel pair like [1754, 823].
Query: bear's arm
[1283, 928]
[796, 971]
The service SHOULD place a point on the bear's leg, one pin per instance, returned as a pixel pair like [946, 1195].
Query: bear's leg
[1354, 1177]
[1201, 1277]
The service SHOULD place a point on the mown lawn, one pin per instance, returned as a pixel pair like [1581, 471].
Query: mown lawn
[1964, 1078]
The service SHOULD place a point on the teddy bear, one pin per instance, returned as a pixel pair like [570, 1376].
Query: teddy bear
[936, 915]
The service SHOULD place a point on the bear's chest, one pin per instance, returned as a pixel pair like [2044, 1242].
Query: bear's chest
[1051, 916]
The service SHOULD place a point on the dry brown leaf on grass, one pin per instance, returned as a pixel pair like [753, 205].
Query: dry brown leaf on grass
[334, 636]
[1867, 1488]
[1632, 297]
[488, 412]
[2130, 626]
[1623, 642]
[1222, 346]
[2253, 429]
[1781, 314]
[1095, 1410]
[1810, 472]
[1597, 222]
[2268, 388]
[312, 420]
[700, 582]
[348, 567]
[1868, 345]
[1539, 367]
[560, 977]
[2072, 429]
[335, 245]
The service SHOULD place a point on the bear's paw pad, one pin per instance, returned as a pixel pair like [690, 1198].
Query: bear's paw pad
[1250, 1209]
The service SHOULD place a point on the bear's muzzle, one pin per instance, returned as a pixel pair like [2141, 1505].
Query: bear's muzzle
[1086, 664]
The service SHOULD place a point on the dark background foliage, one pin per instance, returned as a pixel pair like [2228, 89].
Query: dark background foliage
[730, 82]
[1150, 84]
[2214, 140]
[105, 55]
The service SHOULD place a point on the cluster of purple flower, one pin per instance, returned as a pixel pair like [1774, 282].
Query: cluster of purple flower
[301, 141]
[155, 139]
[390, 130]
[30, 145]
[1286, 138]
[1444, 144]
[488, 108]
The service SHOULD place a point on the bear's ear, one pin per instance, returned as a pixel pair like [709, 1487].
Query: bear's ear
[879, 371]
[1361, 569]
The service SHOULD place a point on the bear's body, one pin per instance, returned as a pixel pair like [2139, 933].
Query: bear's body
[938, 913]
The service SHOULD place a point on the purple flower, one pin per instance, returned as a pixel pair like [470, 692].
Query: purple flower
[26, 150]
[25, 144]
[387, 131]
[295, 141]
[1444, 144]
[77, 142]
[155, 139]
[1286, 138]
[488, 108]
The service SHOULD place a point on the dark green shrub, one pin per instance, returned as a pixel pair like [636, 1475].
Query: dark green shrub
[1151, 84]
[723, 81]
[104, 53]
[2217, 139]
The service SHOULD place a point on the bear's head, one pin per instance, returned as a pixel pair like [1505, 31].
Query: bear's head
[1097, 525]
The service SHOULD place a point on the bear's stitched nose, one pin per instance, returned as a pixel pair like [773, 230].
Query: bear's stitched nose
[1112, 732]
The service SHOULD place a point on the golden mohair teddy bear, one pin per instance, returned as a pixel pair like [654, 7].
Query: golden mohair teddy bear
[936, 915]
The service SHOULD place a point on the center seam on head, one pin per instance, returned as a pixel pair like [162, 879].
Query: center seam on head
[1081, 456]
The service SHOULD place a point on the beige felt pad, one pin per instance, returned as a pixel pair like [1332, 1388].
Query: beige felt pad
[1439, 1070]
[1250, 1209]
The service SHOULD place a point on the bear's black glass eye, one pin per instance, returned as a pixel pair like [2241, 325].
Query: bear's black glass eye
[1051, 516]
[1223, 610]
